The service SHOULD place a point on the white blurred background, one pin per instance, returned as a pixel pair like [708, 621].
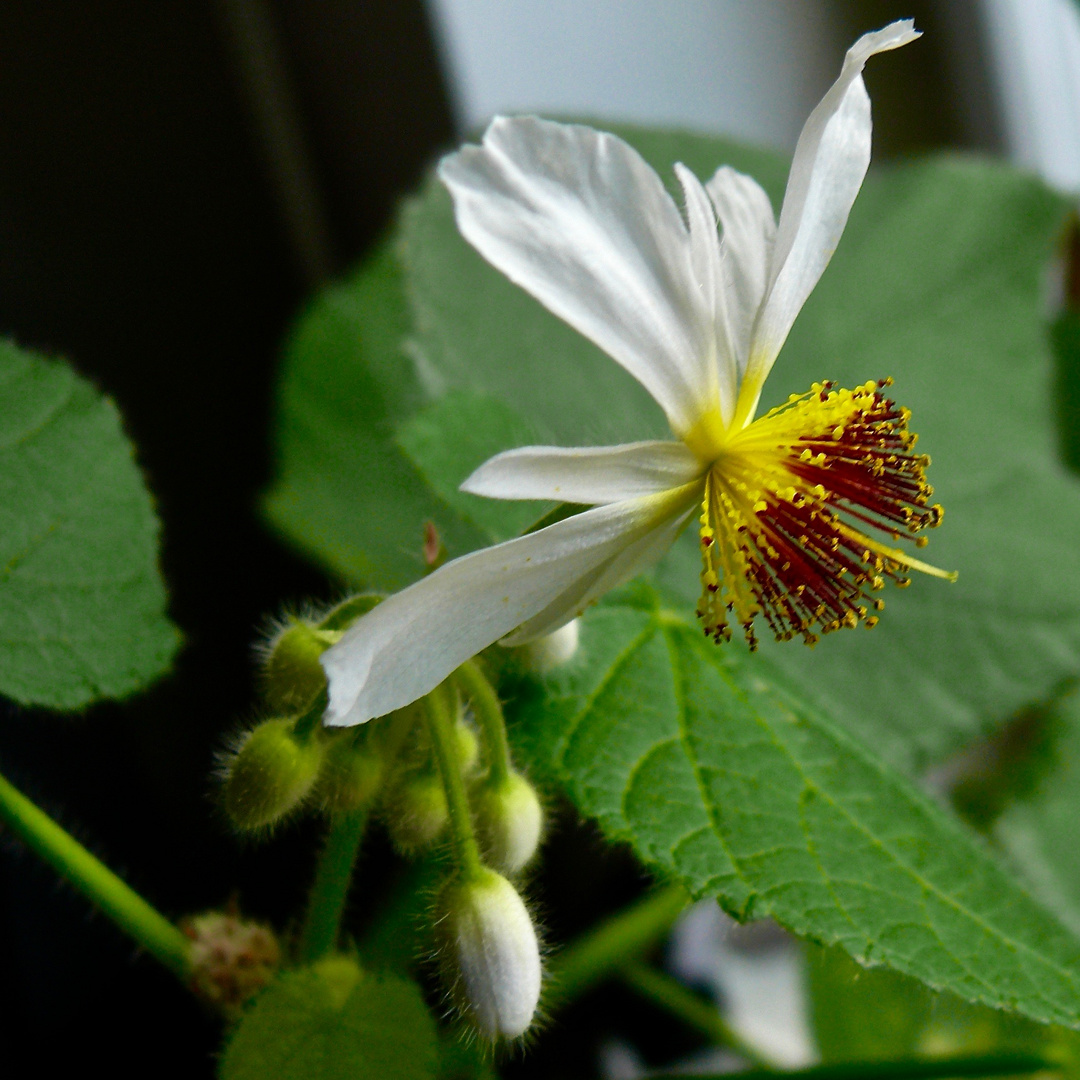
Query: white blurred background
[754, 70]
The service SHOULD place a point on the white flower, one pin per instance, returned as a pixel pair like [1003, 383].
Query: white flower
[577, 218]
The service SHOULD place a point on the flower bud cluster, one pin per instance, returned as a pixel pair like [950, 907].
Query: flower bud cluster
[437, 769]
[488, 951]
[289, 761]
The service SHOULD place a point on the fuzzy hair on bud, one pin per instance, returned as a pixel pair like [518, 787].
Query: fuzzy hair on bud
[292, 674]
[509, 822]
[490, 955]
[351, 775]
[270, 774]
[417, 814]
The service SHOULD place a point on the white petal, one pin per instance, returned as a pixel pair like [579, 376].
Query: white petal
[579, 220]
[641, 553]
[596, 474]
[708, 273]
[749, 225]
[830, 162]
[414, 639]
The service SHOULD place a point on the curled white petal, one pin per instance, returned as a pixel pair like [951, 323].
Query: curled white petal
[705, 260]
[831, 159]
[413, 640]
[579, 220]
[590, 475]
[749, 229]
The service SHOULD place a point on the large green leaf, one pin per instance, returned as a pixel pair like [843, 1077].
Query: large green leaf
[936, 282]
[82, 603]
[334, 1020]
[345, 493]
[718, 775]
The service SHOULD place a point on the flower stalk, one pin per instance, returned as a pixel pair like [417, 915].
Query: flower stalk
[445, 745]
[330, 889]
[475, 686]
[108, 892]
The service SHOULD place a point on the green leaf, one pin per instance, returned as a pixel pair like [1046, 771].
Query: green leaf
[1038, 829]
[330, 1021]
[345, 493]
[449, 439]
[863, 1014]
[868, 1014]
[82, 603]
[718, 775]
[937, 282]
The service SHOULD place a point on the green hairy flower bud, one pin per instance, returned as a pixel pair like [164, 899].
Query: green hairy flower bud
[351, 775]
[489, 953]
[468, 747]
[509, 822]
[271, 773]
[418, 813]
[292, 673]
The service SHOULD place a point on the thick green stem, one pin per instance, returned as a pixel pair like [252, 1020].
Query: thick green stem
[489, 713]
[333, 875]
[935, 1068]
[445, 744]
[309, 723]
[605, 949]
[670, 994]
[95, 881]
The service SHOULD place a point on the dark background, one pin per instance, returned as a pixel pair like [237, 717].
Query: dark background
[175, 177]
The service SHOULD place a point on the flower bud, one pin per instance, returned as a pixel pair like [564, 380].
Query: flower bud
[509, 821]
[292, 674]
[489, 952]
[351, 775]
[343, 615]
[270, 774]
[550, 651]
[468, 747]
[417, 814]
[232, 959]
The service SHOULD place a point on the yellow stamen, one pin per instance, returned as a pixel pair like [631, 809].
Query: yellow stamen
[787, 500]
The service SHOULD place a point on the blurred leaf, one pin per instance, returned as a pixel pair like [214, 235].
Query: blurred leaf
[872, 1013]
[345, 493]
[1065, 339]
[714, 772]
[937, 283]
[330, 1021]
[449, 439]
[1038, 829]
[82, 603]
[861, 1013]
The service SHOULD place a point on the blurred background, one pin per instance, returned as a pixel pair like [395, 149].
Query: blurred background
[175, 178]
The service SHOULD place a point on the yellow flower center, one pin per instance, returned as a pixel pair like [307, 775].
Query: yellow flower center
[787, 500]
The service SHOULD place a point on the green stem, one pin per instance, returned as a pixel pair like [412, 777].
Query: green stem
[95, 881]
[490, 715]
[935, 1068]
[310, 722]
[605, 949]
[333, 875]
[670, 994]
[445, 744]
